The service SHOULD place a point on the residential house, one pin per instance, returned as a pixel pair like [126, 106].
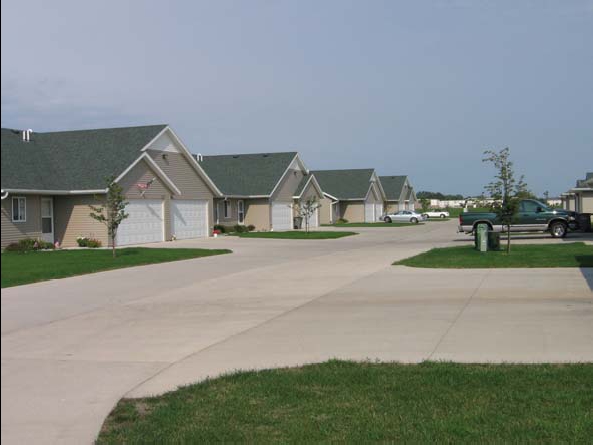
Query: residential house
[258, 189]
[355, 195]
[580, 197]
[399, 193]
[49, 180]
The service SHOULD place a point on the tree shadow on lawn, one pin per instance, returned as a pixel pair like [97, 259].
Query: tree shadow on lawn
[586, 268]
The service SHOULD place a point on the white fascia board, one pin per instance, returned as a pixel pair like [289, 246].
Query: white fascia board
[315, 184]
[244, 196]
[331, 196]
[188, 156]
[160, 173]
[56, 192]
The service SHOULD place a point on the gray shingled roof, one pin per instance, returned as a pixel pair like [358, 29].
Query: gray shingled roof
[587, 182]
[253, 174]
[70, 160]
[393, 186]
[345, 184]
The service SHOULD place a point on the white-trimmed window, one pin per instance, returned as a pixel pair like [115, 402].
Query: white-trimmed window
[227, 209]
[19, 209]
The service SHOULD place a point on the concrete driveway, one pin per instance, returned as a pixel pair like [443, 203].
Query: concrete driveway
[72, 348]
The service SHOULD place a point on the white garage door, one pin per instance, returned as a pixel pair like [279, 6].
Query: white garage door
[378, 211]
[189, 218]
[144, 223]
[313, 220]
[369, 212]
[281, 216]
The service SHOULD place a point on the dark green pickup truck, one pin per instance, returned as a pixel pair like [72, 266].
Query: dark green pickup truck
[532, 216]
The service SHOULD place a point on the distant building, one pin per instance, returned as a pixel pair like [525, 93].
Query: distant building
[580, 197]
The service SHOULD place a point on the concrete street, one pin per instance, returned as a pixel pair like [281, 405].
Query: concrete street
[72, 348]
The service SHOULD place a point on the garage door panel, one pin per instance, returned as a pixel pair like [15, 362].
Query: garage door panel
[369, 212]
[144, 223]
[282, 216]
[189, 218]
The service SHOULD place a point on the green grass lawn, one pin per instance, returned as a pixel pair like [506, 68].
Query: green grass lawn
[347, 402]
[438, 219]
[375, 224]
[296, 235]
[522, 255]
[30, 267]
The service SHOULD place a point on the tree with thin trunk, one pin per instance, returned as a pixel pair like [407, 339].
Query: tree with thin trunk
[424, 204]
[306, 209]
[113, 212]
[506, 190]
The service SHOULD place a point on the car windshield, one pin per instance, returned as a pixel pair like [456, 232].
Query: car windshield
[543, 206]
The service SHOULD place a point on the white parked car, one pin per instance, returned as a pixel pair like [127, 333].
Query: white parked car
[436, 214]
[408, 216]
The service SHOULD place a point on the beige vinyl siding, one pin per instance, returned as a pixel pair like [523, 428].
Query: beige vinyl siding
[288, 185]
[14, 231]
[391, 206]
[71, 220]
[257, 213]
[353, 211]
[142, 173]
[586, 202]
[311, 191]
[191, 185]
[325, 215]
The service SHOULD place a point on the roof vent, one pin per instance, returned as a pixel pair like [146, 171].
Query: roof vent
[266, 155]
[236, 157]
[27, 135]
[199, 157]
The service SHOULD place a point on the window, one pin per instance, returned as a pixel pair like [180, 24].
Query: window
[241, 212]
[227, 209]
[19, 209]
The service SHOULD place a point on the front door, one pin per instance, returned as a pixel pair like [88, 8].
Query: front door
[241, 212]
[47, 219]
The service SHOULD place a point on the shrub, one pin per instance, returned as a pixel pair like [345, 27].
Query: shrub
[28, 244]
[220, 228]
[251, 227]
[239, 228]
[84, 241]
[342, 221]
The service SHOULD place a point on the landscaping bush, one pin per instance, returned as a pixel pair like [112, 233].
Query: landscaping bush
[251, 227]
[238, 228]
[342, 221]
[220, 228]
[28, 244]
[83, 241]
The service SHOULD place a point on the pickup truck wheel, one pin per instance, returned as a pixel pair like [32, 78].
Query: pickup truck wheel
[414, 220]
[558, 229]
[387, 219]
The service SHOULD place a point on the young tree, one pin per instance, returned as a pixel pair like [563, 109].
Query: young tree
[425, 204]
[506, 189]
[306, 209]
[113, 212]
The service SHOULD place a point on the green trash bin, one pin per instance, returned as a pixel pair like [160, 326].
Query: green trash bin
[493, 240]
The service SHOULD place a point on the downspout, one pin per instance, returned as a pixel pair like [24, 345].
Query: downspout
[4, 195]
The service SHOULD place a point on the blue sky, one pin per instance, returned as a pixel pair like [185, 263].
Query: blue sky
[419, 87]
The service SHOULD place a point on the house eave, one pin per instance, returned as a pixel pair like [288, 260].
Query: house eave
[55, 192]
